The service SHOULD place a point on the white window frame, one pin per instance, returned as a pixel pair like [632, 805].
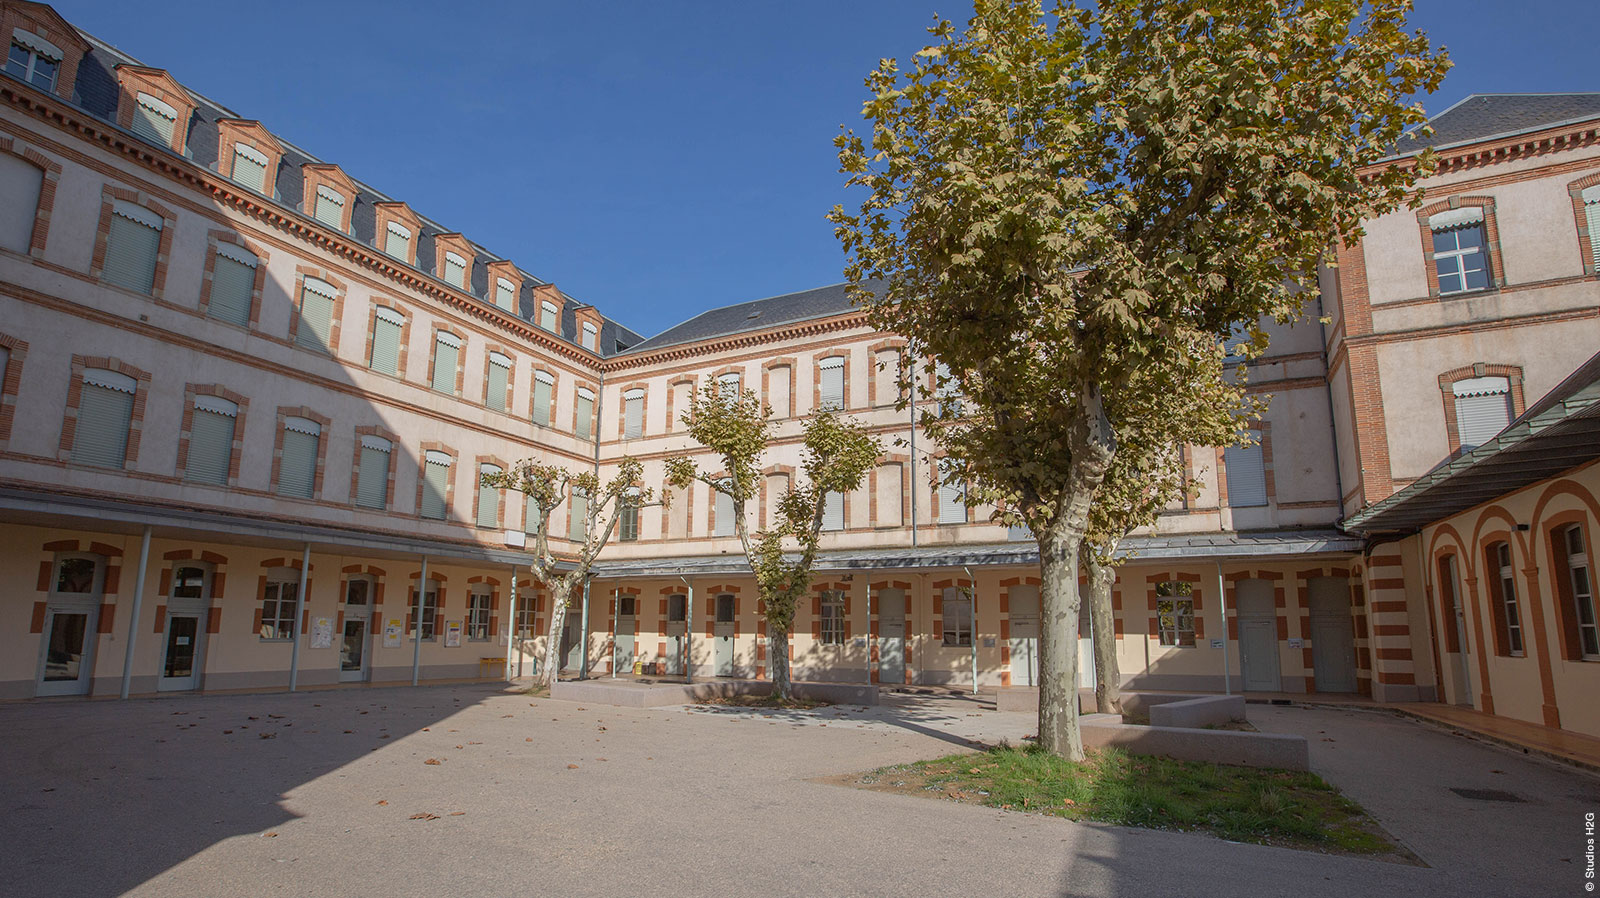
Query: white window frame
[956, 615]
[833, 617]
[425, 629]
[1455, 221]
[283, 623]
[632, 420]
[480, 604]
[37, 49]
[628, 517]
[1580, 580]
[1498, 388]
[1178, 596]
[1506, 571]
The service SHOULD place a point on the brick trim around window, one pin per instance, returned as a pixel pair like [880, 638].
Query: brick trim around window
[190, 391]
[301, 272]
[785, 408]
[1491, 236]
[816, 378]
[69, 422]
[449, 484]
[355, 463]
[400, 214]
[458, 244]
[231, 131]
[501, 496]
[882, 384]
[43, 21]
[323, 421]
[314, 174]
[47, 192]
[102, 238]
[10, 382]
[433, 353]
[1447, 381]
[1581, 219]
[405, 335]
[215, 237]
[136, 79]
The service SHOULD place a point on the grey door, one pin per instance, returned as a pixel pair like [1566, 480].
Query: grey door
[571, 642]
[627, 627]
[66, 655]
[1459, 664]
[180, 653]
[1332, 635]
[722, 638]
[891, 635]
[677, 608]
[1023, 605]
[1258, 636]
[1085, 647]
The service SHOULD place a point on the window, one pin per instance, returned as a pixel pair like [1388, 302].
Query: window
[584, 425]
[833, 617]
[1503, 587]
[1239, 339]
[727, 608]
[952, 497]
[34, 60]
[1020, 533]
[578, 517]
[233, 285]
[549, 316]
[132, 245]
[297, 467]
[1483, 409]
[1247, 472]
[946, 391]
[830, 384]
[497, 382]
[728, 386]
[397, 240]
[372, 477]
[446, 356]
[20, 183]
[525, 618]
[530, 515]
[590, 336]
[633, 414]
[677, 607]
[833, 511]
[455, 270]
[277, 604]
[1591, 214]
[154, 120]
[1460, 252]
[505, 293]
[1175, 613]
[488, 514]
[435, 484]
[387, 328]
[544, 386]
[478, 606]
[627, 606]
[328, 207]
[1581, 581]
[315, 328]
[211, 430]
[105, 413]
[250, 167]
[629, 524]
[430, 612]
[724, 510]
[957, 615]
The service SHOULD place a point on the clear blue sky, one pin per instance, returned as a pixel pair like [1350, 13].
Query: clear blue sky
[654, 159]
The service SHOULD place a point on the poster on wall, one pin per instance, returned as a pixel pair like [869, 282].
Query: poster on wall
[322, 632]
[391, 633]
[452, 634]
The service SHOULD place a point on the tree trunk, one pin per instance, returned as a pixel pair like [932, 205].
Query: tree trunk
[550, 670]
[778, 654]
[1107, 678]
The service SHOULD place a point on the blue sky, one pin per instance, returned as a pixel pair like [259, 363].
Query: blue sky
[654, 159]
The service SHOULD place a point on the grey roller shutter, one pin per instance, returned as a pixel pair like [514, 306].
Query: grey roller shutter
[329, 207]
[725, 515]
[1483, 409]
[397, 241]
[548, 316]
[233, 284]
[543, 386]
[585, 411]
[952, 500]
[154, 120]
[488, 499]
[20, 182]
[386, 330]
[1247, 473]
[455, 270]
[499, 377]
[105, 410]
[830, 377]
[249, 168]
[633, 415]
[372, 481]
[131, 247]
[589, 335]
[297, 467]
[435, 484]
[446, 355]
[833, 511]
[1591, 211]
[211, 431]
[530, 515]
[505, 293]
[578, 519]
[315, 330]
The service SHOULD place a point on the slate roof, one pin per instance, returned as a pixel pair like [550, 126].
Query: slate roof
[96, 93]
[759, 314]
[1482, 116]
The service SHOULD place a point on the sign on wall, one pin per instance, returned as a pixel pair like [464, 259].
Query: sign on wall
[392, 632]
[452, 634]
[322, 632]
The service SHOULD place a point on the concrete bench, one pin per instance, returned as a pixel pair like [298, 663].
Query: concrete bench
[1197, 712]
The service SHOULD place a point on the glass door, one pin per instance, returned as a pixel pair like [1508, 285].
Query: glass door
[353, 654]
[66, 657]
[180, 654]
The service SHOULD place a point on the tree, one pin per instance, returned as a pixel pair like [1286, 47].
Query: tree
[1058, 202]
[737, 428]
[547, 487]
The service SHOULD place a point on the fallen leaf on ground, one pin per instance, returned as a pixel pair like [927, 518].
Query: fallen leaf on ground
[457, 813]
[424, 816]
[269, 835]
[529, 739]
[432, 761]
[382, 802]
[572, 767]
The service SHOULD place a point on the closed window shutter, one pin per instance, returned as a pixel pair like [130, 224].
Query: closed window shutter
[435, 485]
[578, 521]
[131, 247]
[589, 334]
[372, 483]
[20, 182]
[499, 377]
[1480, 416]
[585, 413]
[397, 241]
[297, 468]
[249, 168]
[1247, 474]
[1591, 211]
[329, 208]
[211, 440]
[831, 375]
[547, 316]
[446, 350]
[154, 120]
[315, 330]
[530, 515]
[724, 515]
[455, 270]
[488, 499]
[833, 511]
[542, 387]
[233, 284]
[505, 293]
[386, 329]
[952, 507]
[105, 411]
[633, 416]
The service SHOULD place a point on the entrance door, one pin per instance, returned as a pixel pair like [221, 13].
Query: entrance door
[722, 637]
[182, 655]
[1023, 602]
[1333, 641]
[571, 642]
[66, 657]
[1460, 663]
[1258, 636]
[627, 626]
[357, 635]
[677, 612]
[892, 636]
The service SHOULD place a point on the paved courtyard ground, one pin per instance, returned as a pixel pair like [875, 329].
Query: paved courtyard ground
[315, 794]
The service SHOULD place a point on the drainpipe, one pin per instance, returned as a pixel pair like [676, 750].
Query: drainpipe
[1222, 602]
[870, 638]
[972, 601]
[688, 630]
[913, 407]
[583, 644]
[511, 625]
[138, 604]
[616, 608]
[299, 616]
[1333, 427]
[416, 639]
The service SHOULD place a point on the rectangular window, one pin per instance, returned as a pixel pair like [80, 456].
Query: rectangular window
[543, 388]
[20, 183]
[1247, 473]
[233, 285]
[584, 425]
[446, 356]
[728, 387]
[1460, 254]
[832, 512]
[430, 612]
[315, 329]
[328, 207]
[525, 619]
[250, 167]
[387, 327]
[131, 247]
[1483, 409]
[590, 336]
[830, 384]
[33, 60]
[1508, 597]
[505, 294]
[397, 240]
[154, 120]
[833, 617]
[1582, 583]
[957, 616]
[952, 498]
[548, 316]
[372, 479]
[727, 608]
[211, 429]
[277, 609]
[455, 270]
[1591, 215]
[629, 523]
[578, 517]
[498, 379]
[488, 513]
[725, 515]
[478, 602]
[435, 484]
[633, 414]
[1175, 613]
[105, 413]
[530, 515]
[297, 466]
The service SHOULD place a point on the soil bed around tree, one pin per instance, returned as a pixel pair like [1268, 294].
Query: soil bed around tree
[765, 701]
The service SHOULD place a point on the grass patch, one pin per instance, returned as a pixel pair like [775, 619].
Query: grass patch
[765, 701]
[1243, 804]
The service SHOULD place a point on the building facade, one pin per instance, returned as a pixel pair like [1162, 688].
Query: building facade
[246, 399]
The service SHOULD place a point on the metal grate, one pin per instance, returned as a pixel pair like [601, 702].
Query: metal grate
[1488, 795]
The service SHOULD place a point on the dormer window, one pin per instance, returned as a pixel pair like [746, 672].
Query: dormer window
[34, 60]
[590, 336]
[329, 207]
[397, 240]
[505, 293]
[455, 270]
[250, 167]
[154, 119]
[549, 315]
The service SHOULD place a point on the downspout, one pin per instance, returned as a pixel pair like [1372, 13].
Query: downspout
[688, 630]
[416, 637]
[138, 604]
[616, 609]
[1327, 392]
[583, 638]
[299, 616]
[1222, 602]
[913, 454]
[972, 601]
[511, 625]
[871, 640]
[583, 616]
